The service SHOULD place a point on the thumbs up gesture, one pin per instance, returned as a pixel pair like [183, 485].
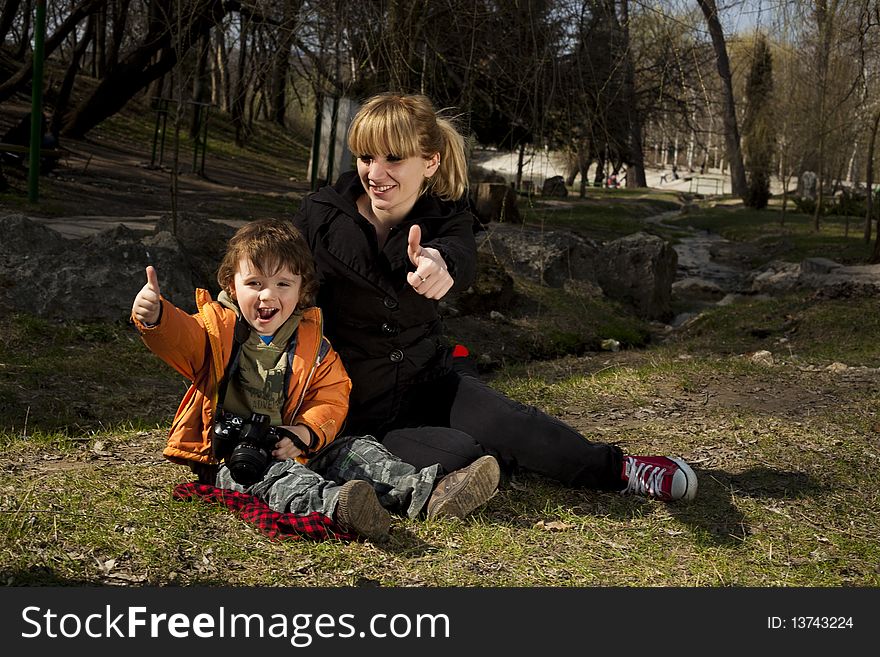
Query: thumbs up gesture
[148, 302]
[431, 277]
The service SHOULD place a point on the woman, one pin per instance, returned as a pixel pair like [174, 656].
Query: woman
[390, 240]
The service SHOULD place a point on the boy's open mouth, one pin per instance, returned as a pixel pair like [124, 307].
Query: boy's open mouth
[266, 313]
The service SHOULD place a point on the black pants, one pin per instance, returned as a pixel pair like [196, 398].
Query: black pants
[456, 419]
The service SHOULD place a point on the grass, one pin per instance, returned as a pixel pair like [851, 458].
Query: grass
[794, 240]
[785, 498]
[604, 215]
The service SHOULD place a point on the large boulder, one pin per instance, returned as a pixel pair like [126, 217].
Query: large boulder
[639, 270]
[90, 279]
[548, 257]
[554, 186]
[837, 280]
[492, 288]
[203, 242]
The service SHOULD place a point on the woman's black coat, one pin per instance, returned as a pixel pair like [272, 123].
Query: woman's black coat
[388, 335]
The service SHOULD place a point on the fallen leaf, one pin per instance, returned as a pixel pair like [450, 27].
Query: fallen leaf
[552, 526]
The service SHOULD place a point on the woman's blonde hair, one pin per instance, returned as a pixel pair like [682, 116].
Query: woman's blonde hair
[271, 245]
[407, 125]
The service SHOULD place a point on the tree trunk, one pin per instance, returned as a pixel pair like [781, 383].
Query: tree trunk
[238, 95]
[221, 91]
[519, 165]
[7, 17]
[23, 77]
[825, 25]
[731, 129]
[25, 41]
[120, 16]
[139, 68]
[281, 61]
[201, 84]
[100, 31]
[63, 99]
[635, 165]
[869, 181]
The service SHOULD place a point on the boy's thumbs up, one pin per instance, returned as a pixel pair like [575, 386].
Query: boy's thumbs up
[147, 304]
[152, 279]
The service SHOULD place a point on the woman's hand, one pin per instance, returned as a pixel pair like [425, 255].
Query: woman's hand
[431, 278]
[285, 449]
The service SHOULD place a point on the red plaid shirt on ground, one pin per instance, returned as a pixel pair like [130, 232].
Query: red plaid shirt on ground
[282, 526]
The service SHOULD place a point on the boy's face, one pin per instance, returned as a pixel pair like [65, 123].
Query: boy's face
[266, 302]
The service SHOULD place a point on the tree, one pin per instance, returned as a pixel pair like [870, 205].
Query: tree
[174, 28]
[731, 129]
[758, 128]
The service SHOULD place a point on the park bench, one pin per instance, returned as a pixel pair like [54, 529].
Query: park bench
[55, 153]
[49, 157]
[705, 185]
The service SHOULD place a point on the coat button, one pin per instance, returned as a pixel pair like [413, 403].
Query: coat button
[396, 356]
[390, 303]
[390, 329]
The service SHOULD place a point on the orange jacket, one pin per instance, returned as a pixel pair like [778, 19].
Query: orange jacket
[199, 346]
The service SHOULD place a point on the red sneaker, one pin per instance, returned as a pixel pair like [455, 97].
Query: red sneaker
[664, 478]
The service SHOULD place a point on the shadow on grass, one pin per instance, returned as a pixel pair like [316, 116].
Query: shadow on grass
[713, 515]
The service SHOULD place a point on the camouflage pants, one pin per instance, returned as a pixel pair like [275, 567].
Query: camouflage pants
[291, 487]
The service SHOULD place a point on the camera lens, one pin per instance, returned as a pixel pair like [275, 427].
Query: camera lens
[247, 464]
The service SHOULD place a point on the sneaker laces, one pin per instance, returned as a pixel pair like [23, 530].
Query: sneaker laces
[644, 478]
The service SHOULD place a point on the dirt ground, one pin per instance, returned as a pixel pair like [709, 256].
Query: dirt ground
[98, 184]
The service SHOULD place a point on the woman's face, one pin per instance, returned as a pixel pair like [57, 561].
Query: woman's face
[393, 184]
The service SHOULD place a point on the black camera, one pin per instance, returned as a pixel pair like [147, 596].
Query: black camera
[246, 445]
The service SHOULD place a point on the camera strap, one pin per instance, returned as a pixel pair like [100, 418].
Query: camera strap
[239, 337]
[241, 334]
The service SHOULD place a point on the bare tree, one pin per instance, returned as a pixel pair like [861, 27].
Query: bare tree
[156, 54]
[731, 128]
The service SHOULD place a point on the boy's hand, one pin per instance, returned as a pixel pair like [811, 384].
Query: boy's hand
[285, 449]
[431, 278]
[148, 302]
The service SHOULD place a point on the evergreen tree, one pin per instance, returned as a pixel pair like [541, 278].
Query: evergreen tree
[758, 130]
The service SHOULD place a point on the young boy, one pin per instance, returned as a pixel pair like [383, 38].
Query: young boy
[269, 395]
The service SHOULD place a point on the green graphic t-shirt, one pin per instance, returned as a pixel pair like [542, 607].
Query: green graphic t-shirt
[258, 384]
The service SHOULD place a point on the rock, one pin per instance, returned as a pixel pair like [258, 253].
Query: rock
[554, 187]
[817, 267]
[90, 279]
[583, 289]
[762, 357]
[21, 235]
[639, 270]
[777, 278]
[696, 289]
[807, 185]
[203, 242]
[496, 202]
[548, 257]
[492, 288]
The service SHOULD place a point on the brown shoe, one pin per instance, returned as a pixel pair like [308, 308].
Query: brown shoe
[358, 510]
[461, 492]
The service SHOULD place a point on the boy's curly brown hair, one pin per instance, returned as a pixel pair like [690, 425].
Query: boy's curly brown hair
[270, 244]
